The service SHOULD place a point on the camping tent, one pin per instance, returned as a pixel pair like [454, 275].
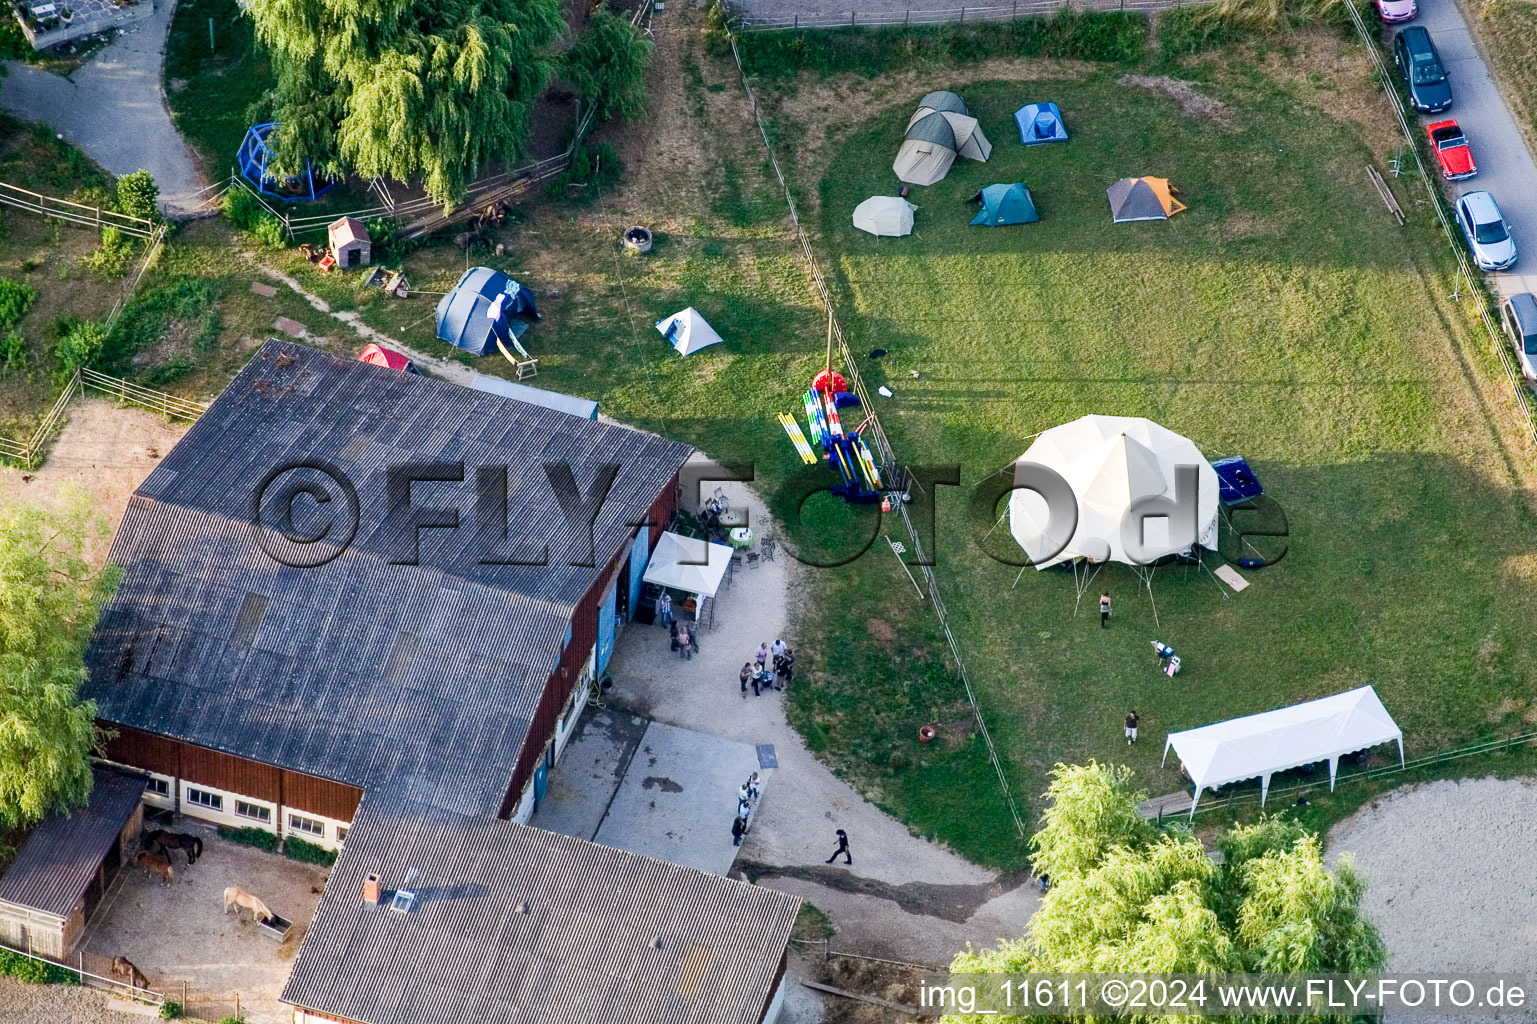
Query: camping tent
[687, 331]
[1142, 199]
[1261, 745]
[482, 310]
[1005, 204]
[1114, 465]
[388, 358]
[939, 130]
[253, 157]
[885, 215]
[688, 564]
[1040, 122]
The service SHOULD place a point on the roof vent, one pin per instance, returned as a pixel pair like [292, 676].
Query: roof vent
[523, 907]
[656, 943]
[403, 900]
[371, 891]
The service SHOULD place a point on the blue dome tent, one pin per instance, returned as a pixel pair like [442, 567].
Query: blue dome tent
[1040, 122]
[253, 158]
[483, 312]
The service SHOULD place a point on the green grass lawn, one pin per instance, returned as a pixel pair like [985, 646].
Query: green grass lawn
[1285, 317]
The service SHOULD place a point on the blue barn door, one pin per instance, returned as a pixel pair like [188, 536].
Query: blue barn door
[606, 628]
[640, 556]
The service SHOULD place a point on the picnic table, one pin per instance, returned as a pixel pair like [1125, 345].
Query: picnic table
[733, 517]
[741, 537]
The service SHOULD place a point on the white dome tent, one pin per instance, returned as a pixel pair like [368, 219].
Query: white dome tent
[885, 215]
[1121, 471]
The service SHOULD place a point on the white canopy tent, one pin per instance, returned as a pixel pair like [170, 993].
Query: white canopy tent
[885, 215]
[1258, 746]
[688, 564]
[688, 332]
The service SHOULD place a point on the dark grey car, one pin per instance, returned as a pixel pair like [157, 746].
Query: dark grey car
[1424, 75]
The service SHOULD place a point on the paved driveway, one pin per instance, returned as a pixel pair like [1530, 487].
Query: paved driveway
[1505, 165]
[113, 109]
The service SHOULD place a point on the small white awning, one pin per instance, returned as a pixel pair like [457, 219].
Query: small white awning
[688, 564]
[1258, 746]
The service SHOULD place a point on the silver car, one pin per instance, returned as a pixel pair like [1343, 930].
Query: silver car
[1518, 315]
[1487, 232]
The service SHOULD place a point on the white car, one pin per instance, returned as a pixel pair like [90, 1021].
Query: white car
[1392, 11]
[1487, 232]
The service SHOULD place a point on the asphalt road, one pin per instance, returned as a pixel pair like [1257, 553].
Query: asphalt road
[112, 109]
[1505, 165]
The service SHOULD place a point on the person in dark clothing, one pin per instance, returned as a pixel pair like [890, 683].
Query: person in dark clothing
[757, 685]
[672, 629]
[784, 667]
[746, 675]
[738, 829]
[843, 848]
[1104, 610]
[1131, 726]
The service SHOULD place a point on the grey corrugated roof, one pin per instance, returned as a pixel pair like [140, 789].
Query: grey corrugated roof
[57, 862]
[310, 692]
[582, 954]
[932, 128]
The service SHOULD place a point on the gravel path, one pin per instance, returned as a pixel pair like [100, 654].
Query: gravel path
[113, 109]
[1449, 870]
[63, 1004]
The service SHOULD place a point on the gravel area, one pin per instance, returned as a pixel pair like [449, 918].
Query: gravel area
[1449, 867]
[62, 1004]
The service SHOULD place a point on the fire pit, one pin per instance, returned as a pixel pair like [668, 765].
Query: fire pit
[638, 239]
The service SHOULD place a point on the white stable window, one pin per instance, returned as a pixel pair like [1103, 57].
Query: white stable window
[341, 835]
[256, 812]
[159, 787]
[203, 798]
[309, 826]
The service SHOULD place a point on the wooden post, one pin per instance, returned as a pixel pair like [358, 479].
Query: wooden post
[237, 1005]
[963, 15]
[184, 996]
[851, 19]
[907, 17]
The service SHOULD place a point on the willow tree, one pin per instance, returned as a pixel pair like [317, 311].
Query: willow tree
[1126, 897]
[50, 597]
[405, 88]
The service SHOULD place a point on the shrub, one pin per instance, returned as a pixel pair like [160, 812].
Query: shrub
[596, 164]
[13, 351]
[233, 1020]
[23, 968]
[307, 853]
[170, 1010]
[148, 317]
[269, 231]
[240, 207]
[16, 298]
[113, 257]
[259, 838]
[138, 195]
[81, 347]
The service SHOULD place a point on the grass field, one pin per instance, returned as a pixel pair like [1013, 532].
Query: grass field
[1284, 317]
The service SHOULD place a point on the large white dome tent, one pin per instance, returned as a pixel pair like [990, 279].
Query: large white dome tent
[1114, 466]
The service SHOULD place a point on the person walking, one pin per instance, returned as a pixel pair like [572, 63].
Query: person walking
[1104, 610]
[686, 644]
[666, 610]
[784, 668]
[738, 830]
[743, 795]
[762, 656]
[672, 630]
[757, 682]
[1131, 726]
[779, 649]
[752, 787]
[747, 674]
[843, 848]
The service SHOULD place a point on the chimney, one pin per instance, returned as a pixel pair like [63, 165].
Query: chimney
[371, 890]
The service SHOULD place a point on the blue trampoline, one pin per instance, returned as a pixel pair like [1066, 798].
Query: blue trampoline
[253, 158]
[1039, 123]
[1236, 482]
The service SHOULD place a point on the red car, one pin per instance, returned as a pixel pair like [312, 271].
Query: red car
[1452, 152]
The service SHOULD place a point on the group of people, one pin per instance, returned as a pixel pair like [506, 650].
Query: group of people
[758, 674]
[746, 796]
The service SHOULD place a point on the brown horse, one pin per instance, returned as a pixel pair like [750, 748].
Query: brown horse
[237, 897]
[163, 842]
[156, 863]
[124, 968]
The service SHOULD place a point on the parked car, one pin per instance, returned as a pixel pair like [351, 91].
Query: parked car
[1487, 232]
[1392, 11]
[1518, 315]
[1422, 70]
[1452, 150]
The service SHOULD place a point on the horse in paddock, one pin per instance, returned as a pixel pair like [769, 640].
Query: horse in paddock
[122, 967]
[158, 864]
[237, 897]
[165, 842]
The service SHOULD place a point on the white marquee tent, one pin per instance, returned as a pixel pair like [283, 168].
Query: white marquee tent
[885, 215]
[1258, 746]
[688, 564]
[1112, 463]
[688, 332]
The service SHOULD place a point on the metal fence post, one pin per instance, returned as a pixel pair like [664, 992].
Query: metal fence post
[963, 15]
[851, 19]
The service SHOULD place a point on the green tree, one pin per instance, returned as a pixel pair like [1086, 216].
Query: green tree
[436, 88]
[50, 597]
[608, 66]
[80, 347]
[138, 195]
[1126, 897]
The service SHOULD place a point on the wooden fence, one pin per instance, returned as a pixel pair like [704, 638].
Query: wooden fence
[29, 452]
[75, 213]
[746, 21]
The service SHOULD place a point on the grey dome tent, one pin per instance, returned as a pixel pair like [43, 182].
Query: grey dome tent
[928, 150]
[1005, 204]
[483, 310]
[1040, 123]
[945, 101]
[1142, 199]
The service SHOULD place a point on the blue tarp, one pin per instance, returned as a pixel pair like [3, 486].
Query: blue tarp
[464, 314]
[1236, 482]
[1040, 122]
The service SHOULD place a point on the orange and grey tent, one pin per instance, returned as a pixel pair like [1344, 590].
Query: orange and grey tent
[1142, 199]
